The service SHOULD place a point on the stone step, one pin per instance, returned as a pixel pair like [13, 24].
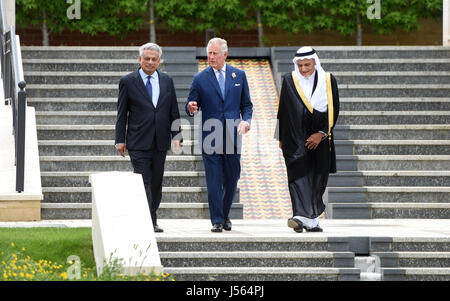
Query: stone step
[187, 179]
[114, 163]
[88, 90]
[410, 243]
[390, 78]
[346, 104]
[394, 103]
[257, 259]
[354, 52]
[422, 178]
[345, 117]
[391, 210]
[392, 131]
[399, 90]
[100, 52]
[389, 194]
[252, 243]
[416, 274]
[370, 64]
[393, 117]
[414, 259]
[263, 274]
[393, 162]
[96, 65]
[91, 78]
[93, 148]
[165, 211]
[82, 193]
[398, 147]
[86, 132]
[182, 90]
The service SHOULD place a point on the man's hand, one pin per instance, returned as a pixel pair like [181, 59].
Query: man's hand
[192, 107]
[313, 141]
[122, 148]
[243, 127]
[176, 146]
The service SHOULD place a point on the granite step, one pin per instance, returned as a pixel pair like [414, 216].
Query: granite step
[389, 194]
[382, 178]
[393, 162]
[92, 78]
[373, 64]
[93, 148]
[264, 274]
[257, 259]
[187, 179]
[88, 132]
[345, 117]
[100, 52]
[393, 78]
[392, 131]
[166, 211]
[377, 52]
[346, 104]
[399, 147]
[391, 90]
[96, 65]
[114, 163]
[394, 103]
[416, 274]
[392, 210]
[414, 259]
[86, 90]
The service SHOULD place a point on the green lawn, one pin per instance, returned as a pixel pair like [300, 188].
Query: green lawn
[55, 244]
[43, 253]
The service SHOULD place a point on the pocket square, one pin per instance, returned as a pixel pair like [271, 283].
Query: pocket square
[237, 85]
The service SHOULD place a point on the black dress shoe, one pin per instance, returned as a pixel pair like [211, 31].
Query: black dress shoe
[217, 228]
[296, 224]
[157, 229]
[315, 229]
[227, 225]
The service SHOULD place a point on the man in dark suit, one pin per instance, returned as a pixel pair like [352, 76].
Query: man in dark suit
[146, 108]
[221, 92]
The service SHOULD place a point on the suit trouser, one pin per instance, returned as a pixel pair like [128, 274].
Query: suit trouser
[150, 164]
[222, 174]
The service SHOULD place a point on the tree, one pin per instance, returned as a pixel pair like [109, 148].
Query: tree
[114, 17]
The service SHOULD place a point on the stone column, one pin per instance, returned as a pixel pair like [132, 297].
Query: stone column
[446, 23]
[10, 6]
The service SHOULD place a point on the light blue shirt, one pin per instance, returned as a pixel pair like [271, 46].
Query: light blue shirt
[154, 80]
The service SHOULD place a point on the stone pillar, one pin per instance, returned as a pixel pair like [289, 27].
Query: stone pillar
[10, 6]
[446, 23]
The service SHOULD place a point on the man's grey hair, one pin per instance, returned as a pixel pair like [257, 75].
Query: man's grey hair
[150, 46]
[222, 42]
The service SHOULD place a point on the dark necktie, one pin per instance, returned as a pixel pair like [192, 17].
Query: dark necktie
[148, 85]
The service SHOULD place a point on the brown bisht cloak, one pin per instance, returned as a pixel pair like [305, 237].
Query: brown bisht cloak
[307, 170]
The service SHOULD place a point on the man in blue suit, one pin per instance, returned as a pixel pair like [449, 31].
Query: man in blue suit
[221, 92]
[146, 109]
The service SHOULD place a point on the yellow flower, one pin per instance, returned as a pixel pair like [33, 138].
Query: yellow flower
[63, 275]
[12, 244]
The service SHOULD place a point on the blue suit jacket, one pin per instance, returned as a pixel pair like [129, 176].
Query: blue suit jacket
[216, 109]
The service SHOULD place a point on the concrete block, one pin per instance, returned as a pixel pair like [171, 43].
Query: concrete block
[122, 227]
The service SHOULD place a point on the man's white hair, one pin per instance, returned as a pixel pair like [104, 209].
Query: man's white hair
[150, 46]
[222, 42]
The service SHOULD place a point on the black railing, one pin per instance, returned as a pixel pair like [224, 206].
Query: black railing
[14, 90]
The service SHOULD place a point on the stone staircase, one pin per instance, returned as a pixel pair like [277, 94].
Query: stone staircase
[74, 91]
[393, 132]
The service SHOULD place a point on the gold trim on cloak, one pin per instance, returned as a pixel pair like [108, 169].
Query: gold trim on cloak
[310, 107]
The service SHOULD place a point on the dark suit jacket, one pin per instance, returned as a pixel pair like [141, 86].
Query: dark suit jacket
[236, 105]
[138, 122]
